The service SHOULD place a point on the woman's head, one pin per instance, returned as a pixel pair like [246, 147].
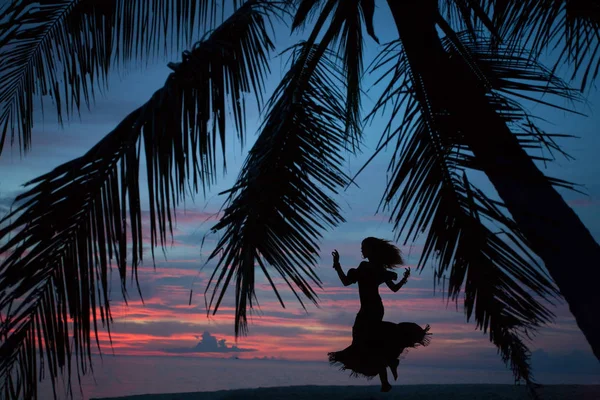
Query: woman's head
[381, 251]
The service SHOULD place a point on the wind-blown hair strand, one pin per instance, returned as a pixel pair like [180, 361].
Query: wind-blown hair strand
[384, 252]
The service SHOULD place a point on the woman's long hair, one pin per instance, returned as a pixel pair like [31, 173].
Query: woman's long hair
[383, 252]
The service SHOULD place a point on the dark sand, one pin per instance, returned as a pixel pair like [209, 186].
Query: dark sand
[409, 392]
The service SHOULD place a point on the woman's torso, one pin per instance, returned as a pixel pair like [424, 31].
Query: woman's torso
[369, 277]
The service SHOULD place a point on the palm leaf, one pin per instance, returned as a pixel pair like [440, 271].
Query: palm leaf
[468, 16]
[346, 27]
[428, 193]
[65, 49]
[351, 40]
[306, 9]
[279, 205]
[570, 27]
[429, 190]
[512, 76]
[73, 223]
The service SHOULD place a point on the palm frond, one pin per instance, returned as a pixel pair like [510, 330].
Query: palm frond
[572, 28]
[346, 26]
[65, 49]
[145, 29]
[351, 14]
[468, 16]
[512, 76]
[279, 205]
[306, 9]
[471, 236]
[73, 224]
[33, 38]
[428, 192]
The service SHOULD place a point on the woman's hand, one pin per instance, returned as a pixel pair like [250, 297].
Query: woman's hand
[338, 268]
[406, 275]
[336, 258]
[396, 286]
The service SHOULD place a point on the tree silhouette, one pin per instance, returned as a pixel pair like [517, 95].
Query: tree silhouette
[74, 221]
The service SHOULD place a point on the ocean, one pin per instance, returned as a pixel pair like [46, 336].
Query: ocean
[116, 376]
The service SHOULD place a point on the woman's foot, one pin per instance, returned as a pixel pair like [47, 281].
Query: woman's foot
[394, 369]
[386, 387]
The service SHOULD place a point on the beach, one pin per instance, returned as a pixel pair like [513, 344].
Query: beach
[406, 392]
[150, 378]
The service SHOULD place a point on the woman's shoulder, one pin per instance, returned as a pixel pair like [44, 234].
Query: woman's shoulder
[359, 272]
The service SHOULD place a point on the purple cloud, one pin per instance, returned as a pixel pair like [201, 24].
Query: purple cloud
[209, 344]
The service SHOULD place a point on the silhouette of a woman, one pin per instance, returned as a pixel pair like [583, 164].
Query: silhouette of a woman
[376, 344]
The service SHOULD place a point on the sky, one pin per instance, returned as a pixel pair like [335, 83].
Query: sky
[166, 325]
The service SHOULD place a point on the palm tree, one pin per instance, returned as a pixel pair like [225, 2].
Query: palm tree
[53, 283]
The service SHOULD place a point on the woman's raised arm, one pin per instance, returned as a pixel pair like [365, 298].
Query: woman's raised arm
[396, 286]
[338, 268]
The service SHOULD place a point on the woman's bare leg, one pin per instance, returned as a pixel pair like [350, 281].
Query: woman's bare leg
[385, 384]
[394, 368]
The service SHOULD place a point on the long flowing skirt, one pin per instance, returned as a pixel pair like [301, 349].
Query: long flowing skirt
[377, 346]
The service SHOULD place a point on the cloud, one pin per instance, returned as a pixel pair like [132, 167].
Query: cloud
[209, 344]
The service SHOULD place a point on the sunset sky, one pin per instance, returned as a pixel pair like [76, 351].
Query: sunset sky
[167, 326]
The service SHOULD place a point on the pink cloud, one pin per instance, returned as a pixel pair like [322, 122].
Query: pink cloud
[142, 329]
[153, 274]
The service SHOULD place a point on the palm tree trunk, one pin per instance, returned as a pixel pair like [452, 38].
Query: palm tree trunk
[554, 231]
